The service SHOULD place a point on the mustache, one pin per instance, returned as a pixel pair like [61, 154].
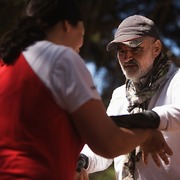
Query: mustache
[130, 62]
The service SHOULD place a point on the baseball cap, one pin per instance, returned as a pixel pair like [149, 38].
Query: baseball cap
[132, 31]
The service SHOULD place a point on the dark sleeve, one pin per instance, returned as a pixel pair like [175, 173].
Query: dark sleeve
[146, 119]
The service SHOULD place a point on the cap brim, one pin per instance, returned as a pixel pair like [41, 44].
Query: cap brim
[131, 42]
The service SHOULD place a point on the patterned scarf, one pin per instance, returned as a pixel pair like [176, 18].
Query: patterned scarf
[139, 95]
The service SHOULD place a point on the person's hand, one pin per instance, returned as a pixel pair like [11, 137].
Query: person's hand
[83, 175]
[157, 147]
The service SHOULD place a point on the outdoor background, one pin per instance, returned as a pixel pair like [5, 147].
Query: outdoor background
[101, 18]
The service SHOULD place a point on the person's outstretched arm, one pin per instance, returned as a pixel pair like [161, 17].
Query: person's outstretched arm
[105, 138]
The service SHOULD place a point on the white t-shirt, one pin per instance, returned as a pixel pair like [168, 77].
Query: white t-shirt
[64, 72]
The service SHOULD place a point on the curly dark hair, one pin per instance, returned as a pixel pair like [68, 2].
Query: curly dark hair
[38, 17]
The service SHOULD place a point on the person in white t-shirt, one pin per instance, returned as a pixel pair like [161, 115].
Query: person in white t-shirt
[152, 84]
[49, 106]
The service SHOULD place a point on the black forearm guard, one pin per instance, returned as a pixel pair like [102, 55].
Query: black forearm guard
[82, 162]
[146, 119]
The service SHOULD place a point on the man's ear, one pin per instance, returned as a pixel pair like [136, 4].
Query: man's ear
[157, 47]
[67, 26]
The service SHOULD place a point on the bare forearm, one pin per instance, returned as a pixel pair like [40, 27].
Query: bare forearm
[127, 140]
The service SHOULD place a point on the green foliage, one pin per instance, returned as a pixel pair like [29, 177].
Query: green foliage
[108, 174]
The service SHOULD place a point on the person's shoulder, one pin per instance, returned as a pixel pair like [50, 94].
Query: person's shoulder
[119, 91]
[51, 47]
[174, 71]
[55, 47]
[67, 53]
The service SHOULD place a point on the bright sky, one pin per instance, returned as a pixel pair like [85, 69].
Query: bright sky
[97, 76]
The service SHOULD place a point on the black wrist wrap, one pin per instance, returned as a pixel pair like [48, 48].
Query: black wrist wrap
[146, 119]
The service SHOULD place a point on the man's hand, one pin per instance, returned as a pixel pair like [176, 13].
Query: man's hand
[83, 175]
[157, 147]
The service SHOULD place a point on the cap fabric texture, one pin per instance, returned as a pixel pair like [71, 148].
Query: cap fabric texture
[131, 30]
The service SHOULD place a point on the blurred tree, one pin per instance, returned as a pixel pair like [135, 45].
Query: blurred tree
[9, 11]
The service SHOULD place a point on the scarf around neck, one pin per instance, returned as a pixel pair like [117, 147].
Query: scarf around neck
[139, 94]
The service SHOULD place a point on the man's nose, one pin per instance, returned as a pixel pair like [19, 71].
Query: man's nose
[127, 56]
